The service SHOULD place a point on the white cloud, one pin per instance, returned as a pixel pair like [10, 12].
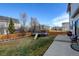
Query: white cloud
[60, 19]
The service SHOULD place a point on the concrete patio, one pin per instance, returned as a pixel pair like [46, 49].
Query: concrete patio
[61, 47]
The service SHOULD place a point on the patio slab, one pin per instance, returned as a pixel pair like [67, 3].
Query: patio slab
[61, 47]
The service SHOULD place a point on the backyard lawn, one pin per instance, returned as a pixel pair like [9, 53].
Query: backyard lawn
[26, 46]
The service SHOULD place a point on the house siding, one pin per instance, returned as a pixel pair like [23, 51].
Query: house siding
[65, 26]
[74, 7]
[4, 22]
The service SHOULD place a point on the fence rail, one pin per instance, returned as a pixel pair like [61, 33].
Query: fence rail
[13, 36]
[57, 33]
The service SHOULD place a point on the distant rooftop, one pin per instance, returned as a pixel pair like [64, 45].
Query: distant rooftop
[65, 23]
[6, 19]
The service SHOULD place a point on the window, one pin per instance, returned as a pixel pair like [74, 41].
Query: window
[71, 25]
[77, 27]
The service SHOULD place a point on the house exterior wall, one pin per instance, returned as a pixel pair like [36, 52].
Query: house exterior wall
[74, 20]
[3, 24]
[17, 25]
[4, 27]
[74, 7]
[44, 27]
[57, 28]
[65, 26]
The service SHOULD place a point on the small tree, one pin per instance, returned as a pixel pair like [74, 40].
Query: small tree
[34, 24]
[24, 18]
[11, 27]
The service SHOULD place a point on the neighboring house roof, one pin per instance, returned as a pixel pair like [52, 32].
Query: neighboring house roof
[6, 19]
[65, 23]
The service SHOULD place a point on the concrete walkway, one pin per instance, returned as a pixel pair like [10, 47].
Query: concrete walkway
[61, 47]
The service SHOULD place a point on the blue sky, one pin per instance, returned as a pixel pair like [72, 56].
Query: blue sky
[46, 13]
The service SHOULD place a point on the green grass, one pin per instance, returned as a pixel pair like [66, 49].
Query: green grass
[27, 47]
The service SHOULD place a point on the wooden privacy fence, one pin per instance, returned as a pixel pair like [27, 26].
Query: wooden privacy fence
[9, 36]
[57, 33]
[14, 36]
[19, 35]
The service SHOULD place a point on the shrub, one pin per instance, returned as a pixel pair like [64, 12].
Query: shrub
[11, 27]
